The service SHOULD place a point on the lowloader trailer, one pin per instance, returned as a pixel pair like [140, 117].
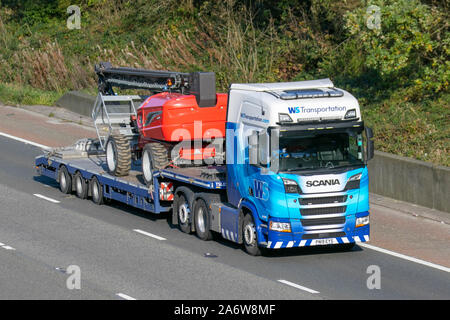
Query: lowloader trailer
[295, 172]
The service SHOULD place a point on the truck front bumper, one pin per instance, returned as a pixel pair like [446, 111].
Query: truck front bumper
[280, 240]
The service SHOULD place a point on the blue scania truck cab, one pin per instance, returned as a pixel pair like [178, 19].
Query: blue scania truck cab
[295, 171]
[296, 165]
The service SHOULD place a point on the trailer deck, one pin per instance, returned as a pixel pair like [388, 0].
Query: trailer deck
[131, 189]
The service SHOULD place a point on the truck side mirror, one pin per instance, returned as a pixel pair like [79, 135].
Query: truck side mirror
[370, 148]
[263, 148]
[253, 148]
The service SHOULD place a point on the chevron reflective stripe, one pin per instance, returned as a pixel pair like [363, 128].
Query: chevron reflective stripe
[315, 242]
[229, 235]
[278, 245]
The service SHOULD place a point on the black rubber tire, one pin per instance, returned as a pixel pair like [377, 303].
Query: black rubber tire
[181, 211]
[81, 186]
[65, 180]
[96, 191]
[251, 239]
[346, 246]
[202, 220]
[157, 159]
[118, 159]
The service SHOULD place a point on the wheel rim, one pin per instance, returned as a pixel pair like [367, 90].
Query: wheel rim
[63, 181]
[201, 221]
[249, 233]
[111, 156]
[95, 190]
[79, 185]
[146, 166]
[183, 213]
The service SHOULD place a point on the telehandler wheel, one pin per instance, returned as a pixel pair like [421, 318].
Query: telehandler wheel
[154, 157]
[118, 155]
[81, 186]
[65, 180]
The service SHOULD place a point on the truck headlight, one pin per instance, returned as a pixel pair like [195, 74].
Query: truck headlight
[280, 226]
[350, 114]
[284, 117]
[355, 177]
[290, 186]
[353, 182]
[361, 222]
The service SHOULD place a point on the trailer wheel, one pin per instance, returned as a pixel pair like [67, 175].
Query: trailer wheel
[250, 237]
[81, 186]
[118, 155]
[96, 191]
[201, 220]
[65, 180]
[154, 157]
[181, 206]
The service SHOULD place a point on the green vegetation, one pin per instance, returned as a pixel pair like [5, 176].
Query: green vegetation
[399, 72]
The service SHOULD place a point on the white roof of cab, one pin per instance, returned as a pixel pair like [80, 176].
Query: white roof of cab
[281, 86]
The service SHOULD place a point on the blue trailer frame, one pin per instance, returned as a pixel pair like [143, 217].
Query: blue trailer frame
[133, 193]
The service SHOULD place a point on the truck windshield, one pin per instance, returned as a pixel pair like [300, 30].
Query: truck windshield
[320, 150]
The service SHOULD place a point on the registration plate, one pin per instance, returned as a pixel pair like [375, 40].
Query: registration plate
[323, 242]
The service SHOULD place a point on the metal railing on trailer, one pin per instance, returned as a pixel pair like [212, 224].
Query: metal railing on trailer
[112, 114]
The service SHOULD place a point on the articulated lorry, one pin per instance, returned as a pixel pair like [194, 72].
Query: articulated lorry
[268, 165]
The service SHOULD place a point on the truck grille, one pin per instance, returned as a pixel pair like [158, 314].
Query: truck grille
[308, 236]
[322, 200]
[326, 210]
[322, 222]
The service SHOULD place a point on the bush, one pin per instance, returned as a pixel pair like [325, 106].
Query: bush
[410, 49]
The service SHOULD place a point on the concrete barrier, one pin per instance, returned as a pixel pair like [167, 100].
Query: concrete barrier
[392, 176]
[410, 180]
[78, 102]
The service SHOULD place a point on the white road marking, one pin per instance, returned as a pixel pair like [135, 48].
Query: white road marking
[402, 256]
[149, 234]
[25, 141]
[298, 286]
[4, 246]
[124, 296]
[46, 198]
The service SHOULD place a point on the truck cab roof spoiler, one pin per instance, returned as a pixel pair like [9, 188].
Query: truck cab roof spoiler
[283, 86]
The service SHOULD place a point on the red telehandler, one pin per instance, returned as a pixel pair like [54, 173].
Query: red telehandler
[182, 122]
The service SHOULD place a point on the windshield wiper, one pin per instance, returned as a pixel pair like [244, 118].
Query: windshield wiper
[348, 165]
[299, 169]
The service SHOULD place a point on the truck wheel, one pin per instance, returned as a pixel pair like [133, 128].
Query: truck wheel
[154, 157]
[250, 237]
[81, 186]
[96, 191]
[346, 246]
[65, 180]
[118, 155]
[183, 213]
[201, 220]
